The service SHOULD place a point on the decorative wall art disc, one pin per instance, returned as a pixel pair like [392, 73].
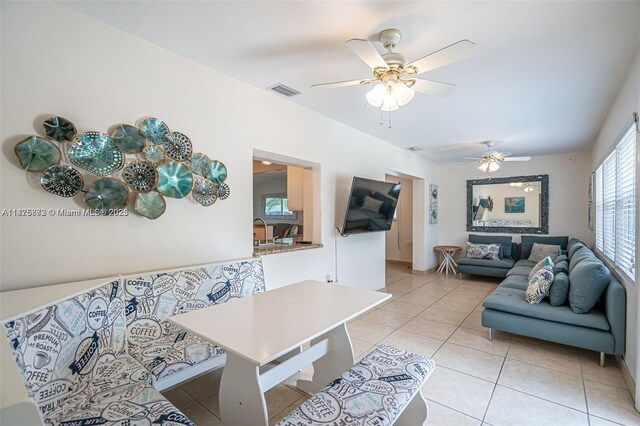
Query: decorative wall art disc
[107, 196]
[174, 180]
[37, 154]
[150, 205]
[155, 130]
[128, 138]
[178, 146]
[204, 192]
[224, 191]
[64, 181]
[154, 154]
[140, 176]
[59, 129]
[218, 172]
[97, 153]
[200, 164]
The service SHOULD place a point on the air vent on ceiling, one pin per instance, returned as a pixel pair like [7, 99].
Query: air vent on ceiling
[414, 148]
[284, 90]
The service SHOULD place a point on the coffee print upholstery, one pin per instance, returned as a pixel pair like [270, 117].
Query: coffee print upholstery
[375, 391]
[163, 348]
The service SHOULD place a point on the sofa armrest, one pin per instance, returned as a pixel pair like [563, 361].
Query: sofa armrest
[615, 307]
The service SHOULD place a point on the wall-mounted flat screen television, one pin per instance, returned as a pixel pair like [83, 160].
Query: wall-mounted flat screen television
[371, 206]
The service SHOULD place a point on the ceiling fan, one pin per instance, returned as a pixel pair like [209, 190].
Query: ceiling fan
[490, 160]
[391, 69]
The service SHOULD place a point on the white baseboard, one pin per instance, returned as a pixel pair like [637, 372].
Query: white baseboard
[628, 379]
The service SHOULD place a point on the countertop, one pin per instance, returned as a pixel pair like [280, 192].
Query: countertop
[283, 248]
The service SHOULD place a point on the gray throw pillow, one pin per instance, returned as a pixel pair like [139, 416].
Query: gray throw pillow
[539, 285]
[579, 256]
[589, 279]
[483, 251]
[561, 267]
[540, 251]
[559, 289]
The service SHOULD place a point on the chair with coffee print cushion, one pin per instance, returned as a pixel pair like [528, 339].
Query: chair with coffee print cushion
[168, 352]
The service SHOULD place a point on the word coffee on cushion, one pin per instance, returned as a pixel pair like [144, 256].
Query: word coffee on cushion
[539, 285]
[483, 251]
[541, 264]
[540, 251]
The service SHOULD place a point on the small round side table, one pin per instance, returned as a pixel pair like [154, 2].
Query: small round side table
[448, 264]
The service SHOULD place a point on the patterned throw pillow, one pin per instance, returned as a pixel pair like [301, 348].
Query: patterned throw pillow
[544, 262]
[540, 251]
[539, 285]
[483, 251]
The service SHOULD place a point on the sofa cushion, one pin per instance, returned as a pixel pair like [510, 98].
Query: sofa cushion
[504, 241]
[511, 300]
[483, 251]
[561, 267]
[540, 251]
[589, 279]
[574, 248]
[559, 289]
[573, 241]
[525, 262]
[562, 258]
[520, 282]
[580, 255]
[502, 264]
[528, 240]
[522, 270]
[539, 284]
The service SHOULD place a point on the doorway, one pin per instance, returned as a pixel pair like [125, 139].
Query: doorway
[399, 239]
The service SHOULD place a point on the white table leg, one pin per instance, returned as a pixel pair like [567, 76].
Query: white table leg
[338, 359]
[241, 396]
[415, 414]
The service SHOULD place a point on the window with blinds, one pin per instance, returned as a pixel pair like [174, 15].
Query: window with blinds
[615, 196]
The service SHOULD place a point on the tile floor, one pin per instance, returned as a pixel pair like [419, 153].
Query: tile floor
[512, 380]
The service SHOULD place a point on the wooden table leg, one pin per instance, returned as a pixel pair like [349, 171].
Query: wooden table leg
[241, 395]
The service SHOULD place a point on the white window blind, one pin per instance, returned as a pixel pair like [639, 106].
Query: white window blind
[599, 210]
[625, 191]
[609, 206]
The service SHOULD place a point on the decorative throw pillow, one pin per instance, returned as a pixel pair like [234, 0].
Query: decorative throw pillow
[589, 279]
[561, 267]
[483, 251]
[539, 285]
[544, 262]
[540, 251]
[371, 204]
[561, 258]
[559, 289]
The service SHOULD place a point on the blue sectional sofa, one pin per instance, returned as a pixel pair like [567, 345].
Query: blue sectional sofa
[600, 328]
[509, 254]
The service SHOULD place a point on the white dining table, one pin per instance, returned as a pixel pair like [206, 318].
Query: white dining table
[273, 326]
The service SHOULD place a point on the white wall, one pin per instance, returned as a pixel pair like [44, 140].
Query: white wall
[57, 61]
[627, 102]
[399, 238]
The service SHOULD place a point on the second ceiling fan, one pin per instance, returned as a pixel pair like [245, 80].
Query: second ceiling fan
[396, 85]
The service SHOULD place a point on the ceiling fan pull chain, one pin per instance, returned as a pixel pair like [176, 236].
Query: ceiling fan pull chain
[389, 126]
[381, 117]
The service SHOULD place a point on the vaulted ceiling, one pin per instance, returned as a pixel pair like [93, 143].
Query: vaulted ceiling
[542, 80]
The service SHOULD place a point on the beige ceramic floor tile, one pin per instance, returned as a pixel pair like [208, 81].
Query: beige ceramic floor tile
[281, 415]
[560, 388]
[442, 315]
[452, 305]
[480, 340]
[396, 290]
[367, 331]
[212, 403]
[415, 281]
[560, 358]
[459, 391]
[203, 386]
[597, 421]
[609, 375]
[280, 397]
[403, 308]
[388, 318]
[360, 346]
[179, 398]
[419, 299]
[509, 407]
[470, 361]
[201, 416]
[413, 342]
[439, 415]
[611, 403]
[474, 322]
[429, 328]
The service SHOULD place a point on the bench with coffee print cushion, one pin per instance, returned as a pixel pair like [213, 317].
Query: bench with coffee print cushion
[171, 354]
[73, 359]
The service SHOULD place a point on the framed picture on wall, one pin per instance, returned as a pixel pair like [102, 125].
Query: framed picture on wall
[592, 184]
[433, 190]
[433, 214]
[514, 204]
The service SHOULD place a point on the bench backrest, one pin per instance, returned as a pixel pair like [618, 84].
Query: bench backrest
[58, 345]
[153, 297]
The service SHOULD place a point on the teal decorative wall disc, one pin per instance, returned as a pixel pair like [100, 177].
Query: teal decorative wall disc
[150, 205]
[178, 146]
[204, 192]
[174, 180]
[155, 130]
[64, 181]
[154, 154]
[97, 153]
[59, 129]
[128, 138]
[37, 154]
[223, 191]
[218, 172]
[107, 196]
[200, 164]
[140, 176]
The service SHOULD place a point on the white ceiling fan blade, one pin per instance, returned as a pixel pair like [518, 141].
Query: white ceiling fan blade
[517, 159]
[367, 53]
[433, 88]
[471, 158]
[342, 83]
[504, 154]
[445, 56]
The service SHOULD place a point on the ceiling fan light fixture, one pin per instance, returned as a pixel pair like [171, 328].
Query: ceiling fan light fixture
[493, 166]
[483, 167]
[403, 93]
[376, 96]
